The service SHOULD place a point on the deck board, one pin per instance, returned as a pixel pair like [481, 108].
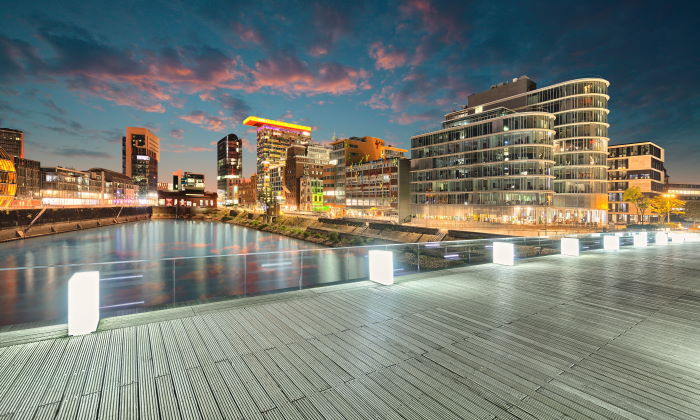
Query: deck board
[553, 337]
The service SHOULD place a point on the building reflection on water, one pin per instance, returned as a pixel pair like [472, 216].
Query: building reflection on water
[185, 261]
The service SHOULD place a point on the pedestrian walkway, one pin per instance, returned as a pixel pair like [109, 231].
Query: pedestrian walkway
[603, 335]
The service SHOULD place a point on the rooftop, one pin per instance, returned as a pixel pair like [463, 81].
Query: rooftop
[604, 335]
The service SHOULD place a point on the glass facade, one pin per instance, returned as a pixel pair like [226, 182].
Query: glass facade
[484, 169]
[8, 179]
[229, 168]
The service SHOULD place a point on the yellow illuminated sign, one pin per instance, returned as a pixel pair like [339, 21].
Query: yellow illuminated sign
[259, 122]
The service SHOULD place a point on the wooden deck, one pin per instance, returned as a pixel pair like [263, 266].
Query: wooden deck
[605, 335]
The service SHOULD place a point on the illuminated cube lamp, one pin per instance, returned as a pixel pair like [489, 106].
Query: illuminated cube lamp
[503, 253]
[677, 237]
[83, 302]
[640, 240]
[381, 267]
[661, 238]
[570, 246]
[611, 243]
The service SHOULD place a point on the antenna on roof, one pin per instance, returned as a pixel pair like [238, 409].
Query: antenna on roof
[334, 137]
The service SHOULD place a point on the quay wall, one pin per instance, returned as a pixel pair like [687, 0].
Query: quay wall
[15, 224]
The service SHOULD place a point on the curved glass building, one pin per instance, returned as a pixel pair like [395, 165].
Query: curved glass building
[580, 144]
[494, 166]
[8, 179]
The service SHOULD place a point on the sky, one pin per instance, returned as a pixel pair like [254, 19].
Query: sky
[74, 74]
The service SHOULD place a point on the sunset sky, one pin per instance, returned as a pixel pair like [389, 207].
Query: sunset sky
[75, 74]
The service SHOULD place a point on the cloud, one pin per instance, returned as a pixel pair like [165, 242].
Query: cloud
[206, 121]
[290, 75]
[406, 118]
[177, 133]
[236, 107]
[386, 57]
[77, 152]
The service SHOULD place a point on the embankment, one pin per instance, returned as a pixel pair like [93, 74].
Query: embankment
[28, 223]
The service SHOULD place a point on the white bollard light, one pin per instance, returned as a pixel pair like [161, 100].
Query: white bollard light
[641, 240]
[83, 302]
[677, 237]
[611, 243]
[503, 253]
[381, 267]
[661, 238]
[570, 246]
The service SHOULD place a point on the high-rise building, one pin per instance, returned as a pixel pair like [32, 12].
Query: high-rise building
[229, 168]
[12, 141]
[639, 164]
[273, 140]
[562, 130]
[8, 179]
[140, 157]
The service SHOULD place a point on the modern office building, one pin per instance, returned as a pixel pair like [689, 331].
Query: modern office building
[12, 141]
[690, 193]
[114, 188]
[363, 179]
[28, 182]
[559, 172]
[68, 187]
[8, 179]
[303, 177]
[273, 140]
[493, 166]
[140, 157]
[379, 189]
[639, 164]
[188, 182]
[229, 168]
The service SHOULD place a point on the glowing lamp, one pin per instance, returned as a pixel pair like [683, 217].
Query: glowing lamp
[83, 302]
[570, 246]
[677, 237]
[641, 240]
[661, 238]
[381, 267]
[611, 243]
[503, 253]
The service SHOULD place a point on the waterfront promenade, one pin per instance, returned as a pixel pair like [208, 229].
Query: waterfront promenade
[603, 335]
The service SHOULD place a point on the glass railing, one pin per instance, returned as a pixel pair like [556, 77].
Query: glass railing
[37, 295]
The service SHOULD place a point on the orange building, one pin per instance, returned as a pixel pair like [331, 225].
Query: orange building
[140, 157]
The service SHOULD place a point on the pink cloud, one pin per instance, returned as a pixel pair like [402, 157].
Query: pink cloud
[206, 121]
[406, 119]
[386, 57]
[292, 76]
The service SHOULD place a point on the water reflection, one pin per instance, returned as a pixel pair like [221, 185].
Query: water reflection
[37, 293]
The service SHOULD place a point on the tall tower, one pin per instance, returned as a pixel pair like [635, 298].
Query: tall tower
[273, 139]
[140, 156]
[229, 168]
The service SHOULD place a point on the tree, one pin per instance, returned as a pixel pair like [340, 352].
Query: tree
[666, 204]
[692, 210]
[641, 202]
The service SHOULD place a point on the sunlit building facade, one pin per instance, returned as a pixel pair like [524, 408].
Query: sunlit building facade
[303, 177]
[580, 143]
[8, 179]
[273, 140]
[494, 165]
[229, 168]
[140, 157]
[640, 165]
